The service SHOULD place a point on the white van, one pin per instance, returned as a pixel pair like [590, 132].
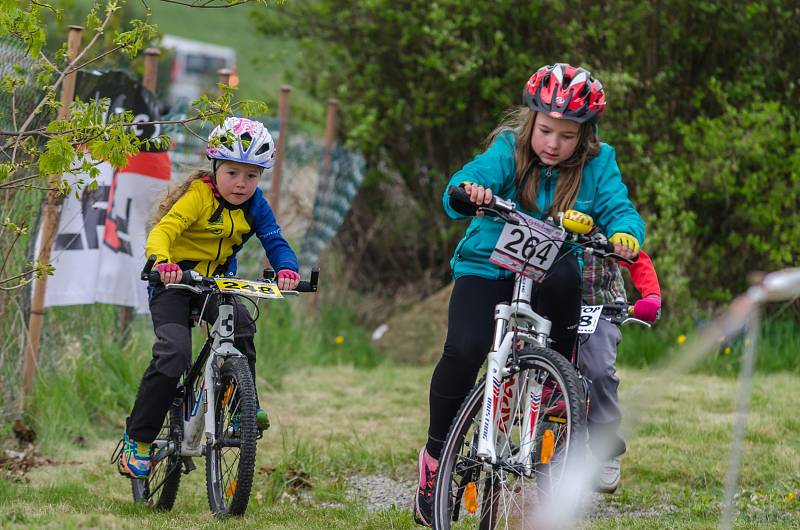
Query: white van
[194, 67]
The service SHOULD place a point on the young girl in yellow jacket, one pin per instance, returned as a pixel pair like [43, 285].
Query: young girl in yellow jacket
[201, 226]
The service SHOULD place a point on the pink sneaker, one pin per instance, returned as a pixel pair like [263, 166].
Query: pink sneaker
[423, 499]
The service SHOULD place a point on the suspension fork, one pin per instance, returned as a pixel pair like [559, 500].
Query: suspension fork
[497, 358]
[223, 331]
[531, 410]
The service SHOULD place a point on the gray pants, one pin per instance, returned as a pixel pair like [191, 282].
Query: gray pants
[597, 362]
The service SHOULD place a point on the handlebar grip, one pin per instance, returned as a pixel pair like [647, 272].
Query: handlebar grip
[148, 267]
[310, 286]
[459, 201]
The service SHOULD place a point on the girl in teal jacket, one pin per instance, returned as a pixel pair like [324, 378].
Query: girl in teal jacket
[546, 158]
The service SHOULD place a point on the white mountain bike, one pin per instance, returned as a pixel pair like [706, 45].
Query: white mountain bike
[523, 426]
[213, 414]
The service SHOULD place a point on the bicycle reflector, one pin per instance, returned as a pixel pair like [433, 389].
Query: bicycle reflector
[471, 497]
[548, 442]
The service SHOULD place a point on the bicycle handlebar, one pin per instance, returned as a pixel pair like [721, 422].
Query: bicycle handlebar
[193, 278]
[461, 203]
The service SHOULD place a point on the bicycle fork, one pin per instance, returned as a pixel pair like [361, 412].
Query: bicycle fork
[508, 396]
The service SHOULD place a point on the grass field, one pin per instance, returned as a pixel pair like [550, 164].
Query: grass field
[335, 422]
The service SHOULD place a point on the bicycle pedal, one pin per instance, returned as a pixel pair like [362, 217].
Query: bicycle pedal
[188, 465]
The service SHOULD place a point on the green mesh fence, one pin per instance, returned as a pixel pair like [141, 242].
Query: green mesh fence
[315, 197]
[16, 205]
[17, 63]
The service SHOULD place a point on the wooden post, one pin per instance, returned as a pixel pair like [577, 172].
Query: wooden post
[149, 81]
[150, 68]
[49, 229]
[277, 169]
[224, 76]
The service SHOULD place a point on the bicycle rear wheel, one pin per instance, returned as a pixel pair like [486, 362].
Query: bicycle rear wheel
[230, 462]
[509, 493]
[160, 488]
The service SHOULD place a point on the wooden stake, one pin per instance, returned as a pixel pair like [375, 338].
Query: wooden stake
[49, 228]
[277, 169]
[151, 69]
[224, 76]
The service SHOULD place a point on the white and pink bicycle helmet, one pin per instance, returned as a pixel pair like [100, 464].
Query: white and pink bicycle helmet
[242, 140]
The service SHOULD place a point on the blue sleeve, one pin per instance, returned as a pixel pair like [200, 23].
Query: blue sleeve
[495, 168]
[279, 253]
[614, 211]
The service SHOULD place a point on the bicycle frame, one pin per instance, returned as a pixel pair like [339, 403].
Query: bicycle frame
[220, 345]
[515, 323]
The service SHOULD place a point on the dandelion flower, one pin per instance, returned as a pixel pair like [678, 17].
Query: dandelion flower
[681, 339]
[790, 497]
[727, 350]
[339, 339]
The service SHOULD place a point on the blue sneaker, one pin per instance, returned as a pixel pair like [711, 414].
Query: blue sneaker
[134, 460]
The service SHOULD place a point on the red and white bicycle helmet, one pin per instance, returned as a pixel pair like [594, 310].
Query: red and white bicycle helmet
[565, 92]
[242, 140]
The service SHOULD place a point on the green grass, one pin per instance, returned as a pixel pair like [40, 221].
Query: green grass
[333, 422]
[87, 380]
[778, 345]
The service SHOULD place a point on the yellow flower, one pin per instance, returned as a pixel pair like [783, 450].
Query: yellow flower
[339, 339]
[790, 497]
[727, 350]
[681, 339]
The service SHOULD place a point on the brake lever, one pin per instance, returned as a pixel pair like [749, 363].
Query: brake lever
[631, 320]
[183, 286]
[505, 216]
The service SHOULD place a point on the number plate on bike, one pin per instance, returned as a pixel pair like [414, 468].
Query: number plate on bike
[529, 248]
[248, 288]
[590, 316]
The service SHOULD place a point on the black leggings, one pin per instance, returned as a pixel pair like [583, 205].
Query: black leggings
[470, 330]
[172, 355]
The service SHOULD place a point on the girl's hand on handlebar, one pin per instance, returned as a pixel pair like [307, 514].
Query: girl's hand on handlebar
[287, 279]
[625, 245]
[170, 273]
[478, 194]
[647, 308]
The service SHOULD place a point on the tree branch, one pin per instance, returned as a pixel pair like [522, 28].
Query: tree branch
[61, 76]
[90, 61]
[197, 5]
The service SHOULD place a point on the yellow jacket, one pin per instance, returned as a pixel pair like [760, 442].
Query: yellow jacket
[204, 233]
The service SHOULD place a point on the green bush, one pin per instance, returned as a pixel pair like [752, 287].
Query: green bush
[702, 108]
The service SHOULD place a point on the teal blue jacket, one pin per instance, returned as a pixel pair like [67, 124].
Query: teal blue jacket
[602, 195]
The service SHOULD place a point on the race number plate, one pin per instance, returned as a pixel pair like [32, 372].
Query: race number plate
[529, 248]
[590, 316]
[248, 288]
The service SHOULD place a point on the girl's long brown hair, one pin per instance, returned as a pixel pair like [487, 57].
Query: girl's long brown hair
[173, 194]
[570, 172]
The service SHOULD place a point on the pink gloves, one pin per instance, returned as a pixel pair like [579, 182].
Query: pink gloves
[287, 279]
[647, 308]
[167, 267]
[288, 274]
[170, 272]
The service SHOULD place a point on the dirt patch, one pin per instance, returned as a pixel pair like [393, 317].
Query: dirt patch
[380, 492]
[416, 334]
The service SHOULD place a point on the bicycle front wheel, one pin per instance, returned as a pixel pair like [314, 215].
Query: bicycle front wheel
[230, 462]
[530, 469]
[160, 488]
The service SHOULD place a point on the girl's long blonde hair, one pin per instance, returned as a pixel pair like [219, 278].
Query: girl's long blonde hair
[174, 193]
[520, 121]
